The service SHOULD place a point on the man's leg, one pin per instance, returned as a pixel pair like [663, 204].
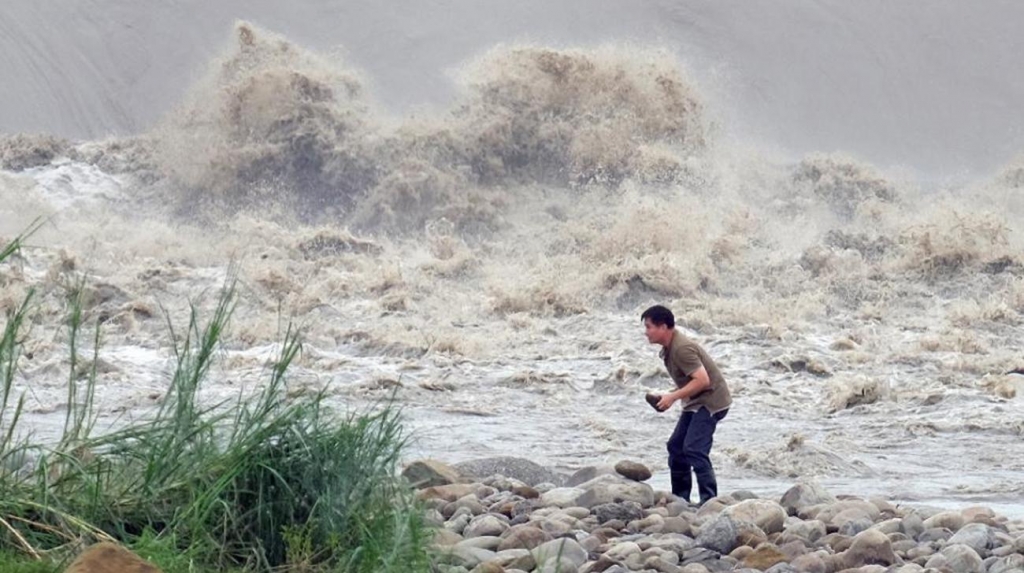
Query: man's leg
[678, 465]
[697, 449]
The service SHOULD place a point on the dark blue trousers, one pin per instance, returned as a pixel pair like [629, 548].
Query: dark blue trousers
[688, 451]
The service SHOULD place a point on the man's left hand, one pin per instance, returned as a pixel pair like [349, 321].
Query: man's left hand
[666, 402]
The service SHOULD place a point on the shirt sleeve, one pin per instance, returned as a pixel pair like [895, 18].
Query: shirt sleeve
[687, 360]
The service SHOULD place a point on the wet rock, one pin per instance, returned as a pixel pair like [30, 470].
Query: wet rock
[804, 495]
[520, 469]
[427, 473]
[633, 470]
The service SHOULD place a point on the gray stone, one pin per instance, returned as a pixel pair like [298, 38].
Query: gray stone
[1008, 563]
[520, 469]
[803, 495]
[721, 534]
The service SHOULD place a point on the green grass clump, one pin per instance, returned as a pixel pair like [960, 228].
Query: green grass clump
[264, 483]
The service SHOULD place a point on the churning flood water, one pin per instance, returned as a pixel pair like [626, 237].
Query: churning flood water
[466, 209]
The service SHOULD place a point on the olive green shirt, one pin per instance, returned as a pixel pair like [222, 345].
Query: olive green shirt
[682, 358]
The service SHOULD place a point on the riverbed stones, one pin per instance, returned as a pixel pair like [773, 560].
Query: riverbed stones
[489, 528]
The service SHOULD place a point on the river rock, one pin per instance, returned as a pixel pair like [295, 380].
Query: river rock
[633, 470]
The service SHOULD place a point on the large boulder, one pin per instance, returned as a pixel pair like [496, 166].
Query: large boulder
[614, 489]
[521, 469]
[428, 473]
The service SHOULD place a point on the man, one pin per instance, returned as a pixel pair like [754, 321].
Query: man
[705, 396]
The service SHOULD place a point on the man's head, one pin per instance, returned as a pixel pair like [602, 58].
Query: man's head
[659, 324]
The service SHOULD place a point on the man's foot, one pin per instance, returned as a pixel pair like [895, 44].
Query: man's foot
[653, 400]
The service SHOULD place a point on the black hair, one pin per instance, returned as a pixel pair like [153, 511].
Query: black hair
[659, 316]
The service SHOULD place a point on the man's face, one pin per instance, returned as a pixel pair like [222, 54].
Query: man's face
[656, 333]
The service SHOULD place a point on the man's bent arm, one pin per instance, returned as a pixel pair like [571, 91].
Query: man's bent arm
[698, 383]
